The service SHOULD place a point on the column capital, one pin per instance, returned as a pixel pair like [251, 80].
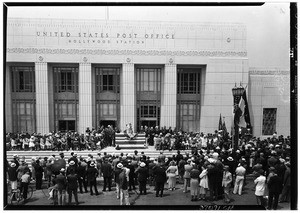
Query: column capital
[84, 61]
[170, 62]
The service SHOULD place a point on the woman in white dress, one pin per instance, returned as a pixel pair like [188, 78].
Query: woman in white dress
[172, 172]
[203, 183]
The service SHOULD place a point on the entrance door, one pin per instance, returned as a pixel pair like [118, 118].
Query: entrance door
[65, 126]
[148, 123]
[105, 123]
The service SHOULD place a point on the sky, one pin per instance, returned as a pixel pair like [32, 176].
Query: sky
[268, 26]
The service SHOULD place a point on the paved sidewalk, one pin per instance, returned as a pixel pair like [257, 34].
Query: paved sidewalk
[170, 198]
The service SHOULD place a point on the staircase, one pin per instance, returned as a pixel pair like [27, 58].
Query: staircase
[150, 151]
[139, 142]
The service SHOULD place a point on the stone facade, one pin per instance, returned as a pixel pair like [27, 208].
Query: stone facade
[220, 48]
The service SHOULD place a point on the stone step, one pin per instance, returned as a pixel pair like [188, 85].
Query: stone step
[124, 135]
[125, 149]
[124, 138]
[130, 141]
[132, 146]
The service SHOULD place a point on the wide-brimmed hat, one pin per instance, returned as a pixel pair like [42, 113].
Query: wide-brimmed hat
[72, 163]
[15, 156]
[13, 165]
[142, 164]
[92, 164]
[120, 166]
[62, 170]
[230, 159]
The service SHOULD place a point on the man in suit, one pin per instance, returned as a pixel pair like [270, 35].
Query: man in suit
[123, 185]
[107, 172]
[72, 186]
[275, 188]
[92, 174]
[142, 173]
[81, 175]
[160, 178]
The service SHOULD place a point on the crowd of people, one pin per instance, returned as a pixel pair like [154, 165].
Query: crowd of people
[210, 170]
[90, 140]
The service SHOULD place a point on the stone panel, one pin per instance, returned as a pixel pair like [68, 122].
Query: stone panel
[85, 97]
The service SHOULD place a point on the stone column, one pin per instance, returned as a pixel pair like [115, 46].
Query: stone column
[169, 96]
[8, 102]
[85, 97]
[128, 103]
[42, 97]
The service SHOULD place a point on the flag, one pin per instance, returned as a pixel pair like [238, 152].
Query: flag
[220, 123]
[224, 128]
[244, 117]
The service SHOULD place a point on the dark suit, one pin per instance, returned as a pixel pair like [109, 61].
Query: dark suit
[142, 178]
[275, 188]
[107, 172]
[61, 182]
[38, 176]
[72, 187]
[160, 178]
[81, 175]
[92, 173]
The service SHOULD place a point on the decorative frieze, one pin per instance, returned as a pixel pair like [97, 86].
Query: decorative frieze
[204, 53]
[268, 71]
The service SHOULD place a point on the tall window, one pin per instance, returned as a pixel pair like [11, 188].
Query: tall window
[66, 109]
[23, 78]
[189, 116]
[188, 98]
[23, 115]
[269, 121]
[148, 80]
[107, 79]
[188, 81]
[66, 79]
[107, 109]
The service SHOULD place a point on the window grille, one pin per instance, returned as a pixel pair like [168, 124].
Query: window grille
[22, 78]
[107, 79]
[269, 121]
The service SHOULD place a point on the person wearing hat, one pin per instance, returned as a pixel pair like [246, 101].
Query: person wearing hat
[74, 159]
[142, 174]
[172, 172]
[260, 185]
[61, 183]
[13, 176]
[227, 179]
[107, 173]
[72, 166]
[160, 178]
[92, 174]
[239, 180]
[72, 185]
[187, 169]
[123, 185]
[118, 170]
